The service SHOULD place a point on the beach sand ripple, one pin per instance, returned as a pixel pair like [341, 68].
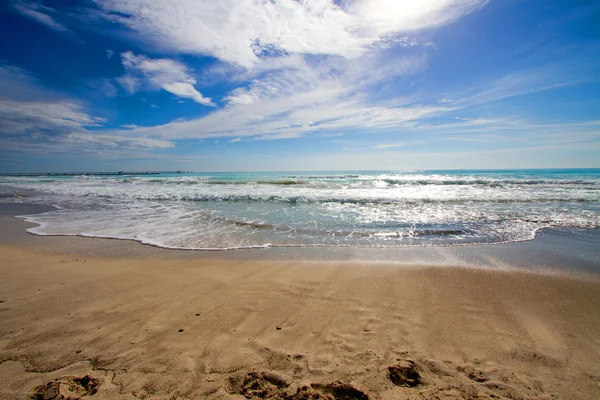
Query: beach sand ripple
[73, 326]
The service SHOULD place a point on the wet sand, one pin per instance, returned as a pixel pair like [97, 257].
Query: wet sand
[155, 324]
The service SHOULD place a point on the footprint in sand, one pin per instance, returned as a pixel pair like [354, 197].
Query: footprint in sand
[405, 373]
[68, 387]
[473, 373]
[335, 390]
[271, 385]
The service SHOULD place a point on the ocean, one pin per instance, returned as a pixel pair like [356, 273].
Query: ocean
[221, 211]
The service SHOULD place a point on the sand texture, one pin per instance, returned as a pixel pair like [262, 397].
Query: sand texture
[119, 328]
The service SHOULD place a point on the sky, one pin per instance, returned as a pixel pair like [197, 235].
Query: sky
[280, 85]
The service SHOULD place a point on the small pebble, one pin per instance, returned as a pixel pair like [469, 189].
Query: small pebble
[181, 330]
[197, 315]
[278, 328]
[366, 330]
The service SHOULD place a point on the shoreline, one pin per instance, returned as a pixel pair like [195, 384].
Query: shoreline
[552, 251]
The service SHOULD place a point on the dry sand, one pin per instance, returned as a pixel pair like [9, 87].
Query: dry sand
[119, 328]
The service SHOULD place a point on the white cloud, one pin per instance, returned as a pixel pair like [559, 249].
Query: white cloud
[306, 99]
[35, 119]
[25, 107]
[572, 71]
[17, 117]
[336, 95]
[186, 89]
[129, 83]
[390, 16]
[19, 84]
[101, 146]
[242, 31]
[109, 53]
[519, 84]
[160, 73]
[105, 87]
[32, 10]
[118, 142]
[388, 146]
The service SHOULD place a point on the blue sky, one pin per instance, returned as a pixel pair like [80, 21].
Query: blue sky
[236, 85]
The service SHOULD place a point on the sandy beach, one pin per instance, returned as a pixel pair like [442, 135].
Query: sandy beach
[141, 326]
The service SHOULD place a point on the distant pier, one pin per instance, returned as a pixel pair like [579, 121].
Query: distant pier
[92, 173]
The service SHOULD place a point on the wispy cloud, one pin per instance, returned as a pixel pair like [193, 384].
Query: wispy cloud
[35, 10]
[556, 73]
[522, 83]
[160, 73]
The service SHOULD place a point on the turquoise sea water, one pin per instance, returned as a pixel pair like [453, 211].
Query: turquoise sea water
[346, 208]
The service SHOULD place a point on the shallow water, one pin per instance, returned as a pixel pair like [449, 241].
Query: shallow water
[351, 208]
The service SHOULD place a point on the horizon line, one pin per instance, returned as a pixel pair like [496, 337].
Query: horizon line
[149, 172]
